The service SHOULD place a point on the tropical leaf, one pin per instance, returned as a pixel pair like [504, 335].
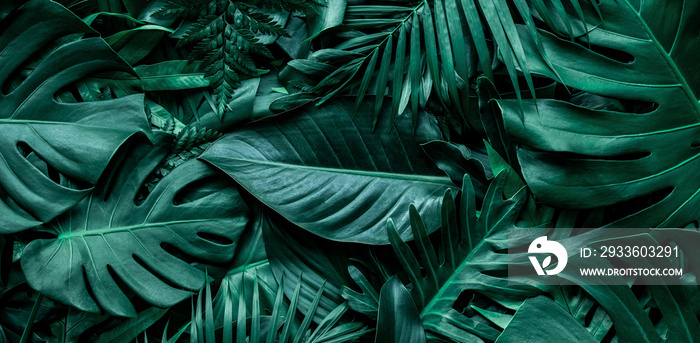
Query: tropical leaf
[464, 249]
[644, 151]
[398, 319]
[632, 315]
[333, 176]
[541, 313]
[53, 152]
[550, 116]
[475, 266]
[115, 243]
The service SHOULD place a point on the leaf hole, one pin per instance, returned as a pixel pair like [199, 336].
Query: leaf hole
[498, 273]
[695, 144]
[178, 253]
[199, 189]
[90, 292]
[634, 205]
[43, 167]
[24, 149]
[39, 164]
[602, 103]
[462, 302]
[150, 270]
[591, 313]
[120, 282]
[611, 53]
[612, 334]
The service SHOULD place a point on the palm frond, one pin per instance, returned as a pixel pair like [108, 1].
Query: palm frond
[280, 323]
[405, 37]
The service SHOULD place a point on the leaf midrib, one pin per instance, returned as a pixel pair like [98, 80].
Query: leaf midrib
[83, 233]
[378, 174]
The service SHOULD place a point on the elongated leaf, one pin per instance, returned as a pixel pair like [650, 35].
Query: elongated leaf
[448, 66]
[398, 320]
[476, 27]
[382, 80]
[109, 241]
[171, 75]
[577, 157]
[40, 136]
[397, 82]
[414, 66]
[164, 76]
[369, 71]
[334, 177]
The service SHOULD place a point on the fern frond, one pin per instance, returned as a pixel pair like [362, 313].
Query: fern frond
[224, 38]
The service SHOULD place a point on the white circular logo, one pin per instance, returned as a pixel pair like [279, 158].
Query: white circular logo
[542, 246]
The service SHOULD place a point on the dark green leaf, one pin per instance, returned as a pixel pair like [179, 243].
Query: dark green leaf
[42, 137]
[333, 176]
[398, 319]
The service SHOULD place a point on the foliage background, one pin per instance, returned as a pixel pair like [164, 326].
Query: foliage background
[339, 171]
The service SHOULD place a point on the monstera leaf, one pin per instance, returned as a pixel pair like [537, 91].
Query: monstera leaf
[646, 149]
[112, 242]
[45, 144]
[334, 176]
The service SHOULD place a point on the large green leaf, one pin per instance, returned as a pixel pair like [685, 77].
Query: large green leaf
[541, 317]
[645, 54]
[45, 144]
[112, 243]
[332, 175]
